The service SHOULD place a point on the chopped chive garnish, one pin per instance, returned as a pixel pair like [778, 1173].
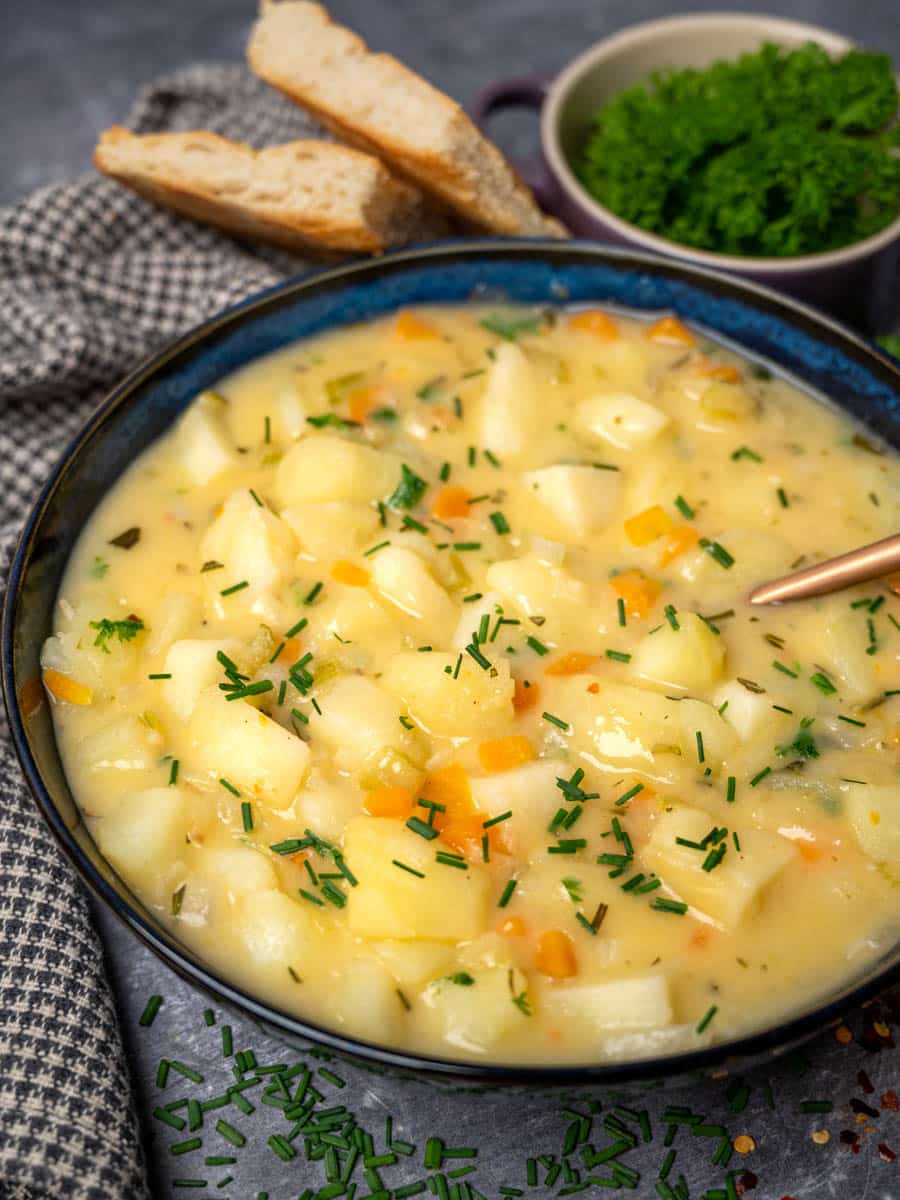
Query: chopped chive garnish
[669, 611]
[237, 587]
[851, 721]
[684, 508]
[491, 457]
[411, 870]
[711, 1012]
[251, 689]
[782, 498]
[732, 789]
[475, 653]
[151, 1008]
[496, 820]
[247, 815]
[701, 757]
[823, 683]
[560, 724]
[229, 787]
[295, 629]
[779, 666]
[816, 1106]
[313, 593]
[746, 452]
[620, 607]
[173, 772]
[761, 776]
[467, 545]
[585, 923]
[618, 656]
[256, 498]
[537, 646]
[499, 522]
[663, 904]
[162, 675]
[374, 549]
[630, 794]
[717, 552]
[419, 826]
[507, 892]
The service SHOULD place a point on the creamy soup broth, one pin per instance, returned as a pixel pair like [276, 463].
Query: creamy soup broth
[411, 679]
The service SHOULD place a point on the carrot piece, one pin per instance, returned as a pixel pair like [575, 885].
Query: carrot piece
[700, 937]
[350, 574]
[555, 955]
[638, 592]
[723, 371]
[595, 321]
[593, 688]
[64, 688]
[31, 696]
[512, 927]
[572, 663]
[645, 527]
[290, 651]
[361, 401]
[682, 538]
[389, 802]
[500, 754]
[811, 852]
[525, 696]
[449, 786]
[670, 329]
[451, 502]
[412, 328]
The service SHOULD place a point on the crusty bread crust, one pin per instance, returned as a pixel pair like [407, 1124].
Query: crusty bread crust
[375, 102]
[305, 195]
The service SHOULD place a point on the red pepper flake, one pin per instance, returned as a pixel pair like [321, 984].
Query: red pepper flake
[849, 1138]
[885, 1152]
[865, 1083]
[891, 1101]
[860, 1106]
[746, 1183]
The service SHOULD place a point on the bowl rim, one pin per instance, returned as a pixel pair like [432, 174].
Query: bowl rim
[771, 1040]
[650, 31]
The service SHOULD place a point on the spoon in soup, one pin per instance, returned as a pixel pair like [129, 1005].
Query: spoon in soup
[857, 566]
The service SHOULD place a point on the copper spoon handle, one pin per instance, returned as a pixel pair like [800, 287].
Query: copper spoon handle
[868, 562]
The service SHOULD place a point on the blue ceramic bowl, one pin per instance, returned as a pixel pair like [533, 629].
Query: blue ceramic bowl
[816, 351]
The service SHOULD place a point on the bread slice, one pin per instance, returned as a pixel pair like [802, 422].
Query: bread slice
[375, 102]
[306, 195]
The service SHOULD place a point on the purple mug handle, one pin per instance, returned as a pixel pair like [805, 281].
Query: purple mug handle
[524, 91]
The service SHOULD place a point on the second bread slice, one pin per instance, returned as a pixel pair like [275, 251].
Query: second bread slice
[302, 195]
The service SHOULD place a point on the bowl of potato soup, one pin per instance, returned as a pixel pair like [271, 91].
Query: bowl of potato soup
[381, 653]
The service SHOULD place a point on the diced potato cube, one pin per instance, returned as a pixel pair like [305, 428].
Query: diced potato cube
[231, 739]
[475, 1016]
[193, 665]
[446, 905]
[582, 499]
[236, 870]
[842, 651]
[327, 807]
[690, 658]
[615, 1006]
[276, 932]
[750, 713]
[531, 793]
[874, 813]
[510, 407]
[358, 718]
[254, 545]
[620, 419]
[332, 528]
[145, 834]
[716, 741]
[327, 467]
[204, 447]
[179, 614]
[490, 605]
[366, 1003]
[411, 963]
[355, 616]
[113, 754]
[248, 407]
[532, 588]
[405, 581]
[618, 723]
[652, 1043]
[728, 891]
[448, 702]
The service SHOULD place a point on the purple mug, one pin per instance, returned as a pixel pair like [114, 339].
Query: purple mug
[859, 283]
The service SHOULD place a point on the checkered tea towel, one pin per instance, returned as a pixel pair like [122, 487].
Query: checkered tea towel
[91, 279]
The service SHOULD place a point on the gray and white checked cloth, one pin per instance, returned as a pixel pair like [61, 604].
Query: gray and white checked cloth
[91, 279]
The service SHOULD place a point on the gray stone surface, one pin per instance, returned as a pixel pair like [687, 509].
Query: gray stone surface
[71, 67]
